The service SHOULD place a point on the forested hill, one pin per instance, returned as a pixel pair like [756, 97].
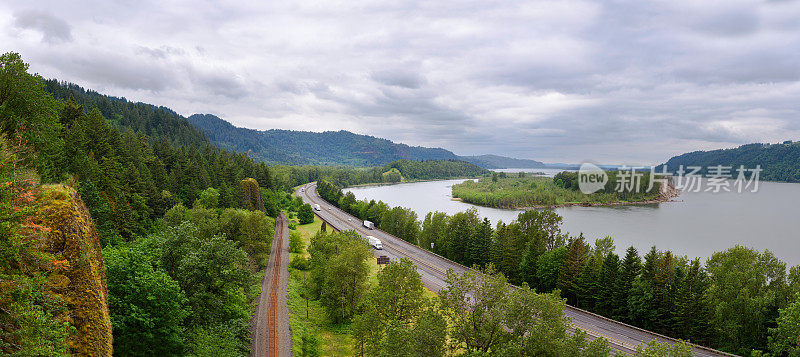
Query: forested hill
[311, 148]
[502, 162]
[779, 162]
[147, 119]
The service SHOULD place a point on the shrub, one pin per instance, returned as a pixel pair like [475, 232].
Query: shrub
[300, 263]
[296, 244]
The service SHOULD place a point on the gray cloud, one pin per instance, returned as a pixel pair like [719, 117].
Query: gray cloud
[562, 81]
[53, 29]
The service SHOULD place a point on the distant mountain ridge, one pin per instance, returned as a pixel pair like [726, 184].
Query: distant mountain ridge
[779, 162]
[502, 162]
[277, 146]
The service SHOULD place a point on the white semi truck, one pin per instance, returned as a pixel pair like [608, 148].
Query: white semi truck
[375, 242]
[369, 225]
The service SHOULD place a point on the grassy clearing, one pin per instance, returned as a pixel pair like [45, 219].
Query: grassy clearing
[334, 339]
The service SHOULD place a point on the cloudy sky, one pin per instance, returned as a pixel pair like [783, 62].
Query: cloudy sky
[562, 81]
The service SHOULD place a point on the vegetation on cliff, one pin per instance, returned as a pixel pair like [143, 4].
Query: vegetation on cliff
[53, 294]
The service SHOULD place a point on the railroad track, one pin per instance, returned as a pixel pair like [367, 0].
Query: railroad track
[266, 323]
[272, 328]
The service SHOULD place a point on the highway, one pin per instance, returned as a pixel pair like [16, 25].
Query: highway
[433, 268]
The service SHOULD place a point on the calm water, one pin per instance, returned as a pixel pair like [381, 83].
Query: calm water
[697, 225]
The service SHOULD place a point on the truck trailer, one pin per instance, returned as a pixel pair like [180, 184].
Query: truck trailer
[369, 225]
[375, 242]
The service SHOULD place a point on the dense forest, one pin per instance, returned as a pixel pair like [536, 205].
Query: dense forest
[740, 300]
[520, 190]
[779, 162]
[310, 148]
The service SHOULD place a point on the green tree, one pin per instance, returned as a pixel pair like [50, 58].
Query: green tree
[476, 306]
[744, 287]
[398, 294]
[569, 275]
[147, 307]
[209, 198]
[654, 348]
[434, 230]
[785, 338]
[607, 284]
[340, 271]
[430, 334]
[548, 267]
[26, 109]
[305, 214]
[630, 268]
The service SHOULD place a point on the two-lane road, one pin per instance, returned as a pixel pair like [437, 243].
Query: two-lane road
[433, 268]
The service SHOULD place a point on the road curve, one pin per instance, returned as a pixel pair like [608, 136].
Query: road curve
[271, 333]
[432, 267]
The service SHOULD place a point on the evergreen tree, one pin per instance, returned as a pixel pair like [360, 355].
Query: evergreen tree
[607, 285]
[629, 269]
[569, 277]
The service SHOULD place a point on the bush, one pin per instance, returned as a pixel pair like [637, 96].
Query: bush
[296, 244]
[292, 226]
[300, 263]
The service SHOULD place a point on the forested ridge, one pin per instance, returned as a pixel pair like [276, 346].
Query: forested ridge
[291, 147]
[146, 119]
[779, 162]
[741, 300]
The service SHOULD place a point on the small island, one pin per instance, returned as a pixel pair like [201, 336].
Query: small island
[526, 191]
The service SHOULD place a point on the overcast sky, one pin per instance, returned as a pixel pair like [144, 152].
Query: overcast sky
[563, 81]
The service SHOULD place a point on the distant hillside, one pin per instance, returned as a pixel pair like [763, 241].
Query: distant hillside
[502, 162]
[310, 148]
[780, 162]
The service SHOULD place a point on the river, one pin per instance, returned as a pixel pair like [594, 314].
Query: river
[697, 224]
